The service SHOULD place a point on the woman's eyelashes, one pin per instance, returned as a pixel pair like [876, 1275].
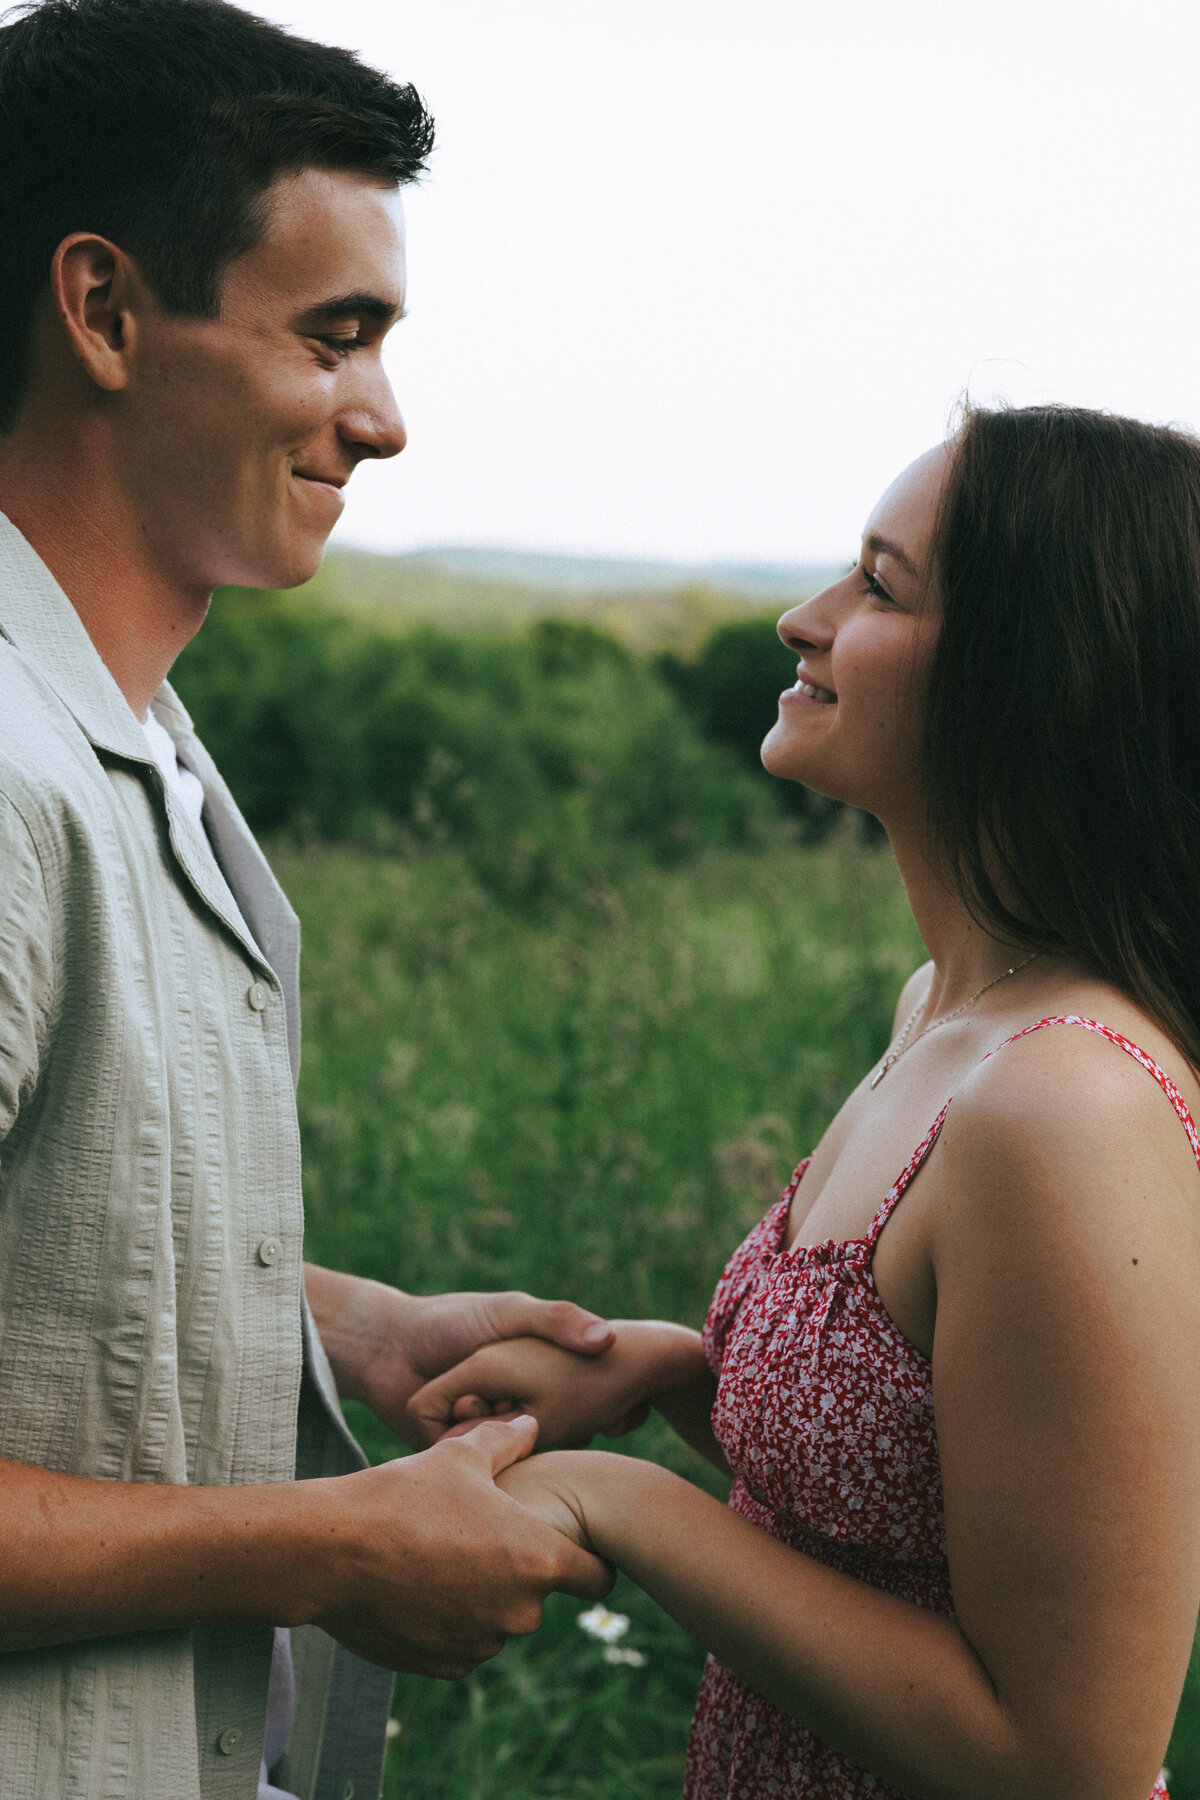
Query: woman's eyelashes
[874, 586]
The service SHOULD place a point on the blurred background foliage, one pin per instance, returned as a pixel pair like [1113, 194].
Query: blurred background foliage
[581, 983]
[551, 757]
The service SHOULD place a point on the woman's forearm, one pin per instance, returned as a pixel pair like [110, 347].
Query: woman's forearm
[688, 1411]
[897, 1688]
[677, 1380]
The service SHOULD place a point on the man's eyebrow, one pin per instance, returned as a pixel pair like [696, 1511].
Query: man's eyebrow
[362, 306]
[881, 546]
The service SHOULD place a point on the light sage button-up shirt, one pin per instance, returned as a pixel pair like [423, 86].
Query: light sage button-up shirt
[152, 1317]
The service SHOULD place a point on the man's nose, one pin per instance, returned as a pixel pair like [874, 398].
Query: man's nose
[375, 426]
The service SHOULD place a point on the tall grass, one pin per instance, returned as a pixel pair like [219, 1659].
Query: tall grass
[595, 1101]
[595, 1104]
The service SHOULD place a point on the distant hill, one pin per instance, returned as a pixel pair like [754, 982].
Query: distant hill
[606, 573]
[648, 605]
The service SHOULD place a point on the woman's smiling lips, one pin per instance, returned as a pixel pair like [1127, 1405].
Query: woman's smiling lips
[807, 692]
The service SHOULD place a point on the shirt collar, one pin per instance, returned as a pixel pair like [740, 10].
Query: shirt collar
[37, 617]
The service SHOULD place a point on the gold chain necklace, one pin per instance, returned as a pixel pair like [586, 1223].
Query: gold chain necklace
[902, 1044]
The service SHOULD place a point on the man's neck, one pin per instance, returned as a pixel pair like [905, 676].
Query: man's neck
[70, 510]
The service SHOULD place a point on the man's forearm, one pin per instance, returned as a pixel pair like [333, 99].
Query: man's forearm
[81, 1558]
[421, 1564]
[361, 1322]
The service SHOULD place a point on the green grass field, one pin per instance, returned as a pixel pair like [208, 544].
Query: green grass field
[594, 1103]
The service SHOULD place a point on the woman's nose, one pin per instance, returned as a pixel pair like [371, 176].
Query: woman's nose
[807, 626]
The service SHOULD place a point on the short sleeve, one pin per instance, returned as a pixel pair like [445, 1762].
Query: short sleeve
[26, 965]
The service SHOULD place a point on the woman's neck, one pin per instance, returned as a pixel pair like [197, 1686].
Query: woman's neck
[965, 954]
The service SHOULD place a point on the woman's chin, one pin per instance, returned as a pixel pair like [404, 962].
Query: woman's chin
[782, 760]
[780, 757]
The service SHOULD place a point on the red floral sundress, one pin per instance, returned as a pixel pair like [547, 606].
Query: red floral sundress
[824, 1411]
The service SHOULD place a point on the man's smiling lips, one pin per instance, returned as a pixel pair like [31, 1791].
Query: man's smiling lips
[329, 484]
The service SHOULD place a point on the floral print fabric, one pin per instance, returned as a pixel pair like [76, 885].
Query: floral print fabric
[825, 1412]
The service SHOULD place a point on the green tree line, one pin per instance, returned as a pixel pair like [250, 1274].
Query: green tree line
[545, 757]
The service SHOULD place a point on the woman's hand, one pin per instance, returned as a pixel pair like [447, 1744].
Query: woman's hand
[384, 1344]
[550, 1487]
[572, 1397]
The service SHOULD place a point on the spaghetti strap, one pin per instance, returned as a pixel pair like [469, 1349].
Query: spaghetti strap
[892, 1198]
[1139, 1056]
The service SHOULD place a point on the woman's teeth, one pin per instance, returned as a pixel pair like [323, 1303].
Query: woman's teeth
[816, 693]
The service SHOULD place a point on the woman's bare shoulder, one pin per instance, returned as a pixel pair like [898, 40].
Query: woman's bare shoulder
[1063, 1135]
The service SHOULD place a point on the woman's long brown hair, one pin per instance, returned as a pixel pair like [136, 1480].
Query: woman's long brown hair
[1063, 735]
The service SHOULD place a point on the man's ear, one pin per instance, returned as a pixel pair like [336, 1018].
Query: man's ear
[94, 287]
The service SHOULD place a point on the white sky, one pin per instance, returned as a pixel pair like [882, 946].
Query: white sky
[695, 278]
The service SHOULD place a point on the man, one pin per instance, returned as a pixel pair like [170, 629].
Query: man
[202, 250]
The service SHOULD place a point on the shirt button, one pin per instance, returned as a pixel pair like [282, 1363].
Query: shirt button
[256, 994]
[229, 1740]
[269, 1252]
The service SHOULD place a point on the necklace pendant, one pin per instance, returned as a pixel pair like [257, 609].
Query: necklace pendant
[878, 1076]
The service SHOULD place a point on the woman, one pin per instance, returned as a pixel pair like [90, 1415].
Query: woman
[962, 1554]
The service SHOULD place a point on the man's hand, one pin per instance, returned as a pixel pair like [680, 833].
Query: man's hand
[425, 1566]
[572, 1397]
[383, 1345]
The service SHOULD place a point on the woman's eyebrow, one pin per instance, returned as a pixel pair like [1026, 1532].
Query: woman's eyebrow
[881, 546]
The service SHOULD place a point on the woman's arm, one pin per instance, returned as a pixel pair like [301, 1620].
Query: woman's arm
[688, 1411]
[1067, 1220]
[896, 1687]
[651, 1362]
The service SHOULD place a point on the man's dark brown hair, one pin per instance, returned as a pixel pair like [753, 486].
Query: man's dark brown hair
[160, 124]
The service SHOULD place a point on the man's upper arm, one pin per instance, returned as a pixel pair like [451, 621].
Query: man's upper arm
[26, 964]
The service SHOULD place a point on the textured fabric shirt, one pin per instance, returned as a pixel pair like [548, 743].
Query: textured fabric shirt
[281, 1695]
[152, 1319]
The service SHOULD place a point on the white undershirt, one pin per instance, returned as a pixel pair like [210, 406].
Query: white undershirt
[185, 785]
[189, 791]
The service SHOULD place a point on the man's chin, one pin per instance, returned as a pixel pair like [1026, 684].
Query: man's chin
[289, 567]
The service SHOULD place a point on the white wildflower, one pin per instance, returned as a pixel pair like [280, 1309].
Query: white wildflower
[598, 1622]
[393, 1729]
[632, 1659]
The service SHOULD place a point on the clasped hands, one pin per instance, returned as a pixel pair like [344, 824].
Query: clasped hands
[572, 1397]
[429, 1562]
